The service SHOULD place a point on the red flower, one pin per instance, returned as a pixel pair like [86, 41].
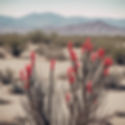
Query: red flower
[101, 53]
[89, 87]
[71, 76]
[94, 56]
[68, 97]
[72, 52]
[87, 45]
[108, 61]
[52, 64]
[73, 55]
[33, 57]
[29, 70]
[106, 72]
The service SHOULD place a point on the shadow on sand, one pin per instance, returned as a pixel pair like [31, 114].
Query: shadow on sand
[121, 114]
[4, 102]
[115, 87]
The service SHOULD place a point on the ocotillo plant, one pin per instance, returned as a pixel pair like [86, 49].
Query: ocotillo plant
[86, 77]
[36, 111]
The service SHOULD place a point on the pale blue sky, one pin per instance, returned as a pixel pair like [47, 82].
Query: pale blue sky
[90, 8]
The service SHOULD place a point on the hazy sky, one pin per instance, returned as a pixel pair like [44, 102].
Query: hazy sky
[90, 8]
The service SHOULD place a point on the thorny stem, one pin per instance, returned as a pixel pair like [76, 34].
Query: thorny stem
[50, 95]
[84, 78]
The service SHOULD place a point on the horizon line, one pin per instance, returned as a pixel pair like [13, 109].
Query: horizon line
[63, 15]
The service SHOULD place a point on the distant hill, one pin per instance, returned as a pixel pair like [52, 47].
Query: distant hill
[89, 28]
[51, 22]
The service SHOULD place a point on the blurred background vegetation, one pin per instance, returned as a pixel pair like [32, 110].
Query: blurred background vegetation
[17, 43]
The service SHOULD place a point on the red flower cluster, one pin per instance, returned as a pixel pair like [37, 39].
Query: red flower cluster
[28, 70]
[108, 62]
[87, 45]
[97, 55]
[52, 64]
[72, 52]
[68, 97]
[101, 53]
[89, 87]
[73, 56]
[71, 75]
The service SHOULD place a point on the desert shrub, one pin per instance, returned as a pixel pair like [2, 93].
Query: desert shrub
[17, 87]
[16, 48]
[39, 37]
[53, 37]
[119, 55]
[112, 82]
[7, 76]
[16, 42]
[51, 52]
[3, 53]
[16, 45]
[42, 49]
[59, 55]
[3, 39]
[62, 40]
[87, 79]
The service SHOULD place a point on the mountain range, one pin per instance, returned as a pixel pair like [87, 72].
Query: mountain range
[51, 22]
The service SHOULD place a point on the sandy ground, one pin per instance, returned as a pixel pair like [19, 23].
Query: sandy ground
[12, 109]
